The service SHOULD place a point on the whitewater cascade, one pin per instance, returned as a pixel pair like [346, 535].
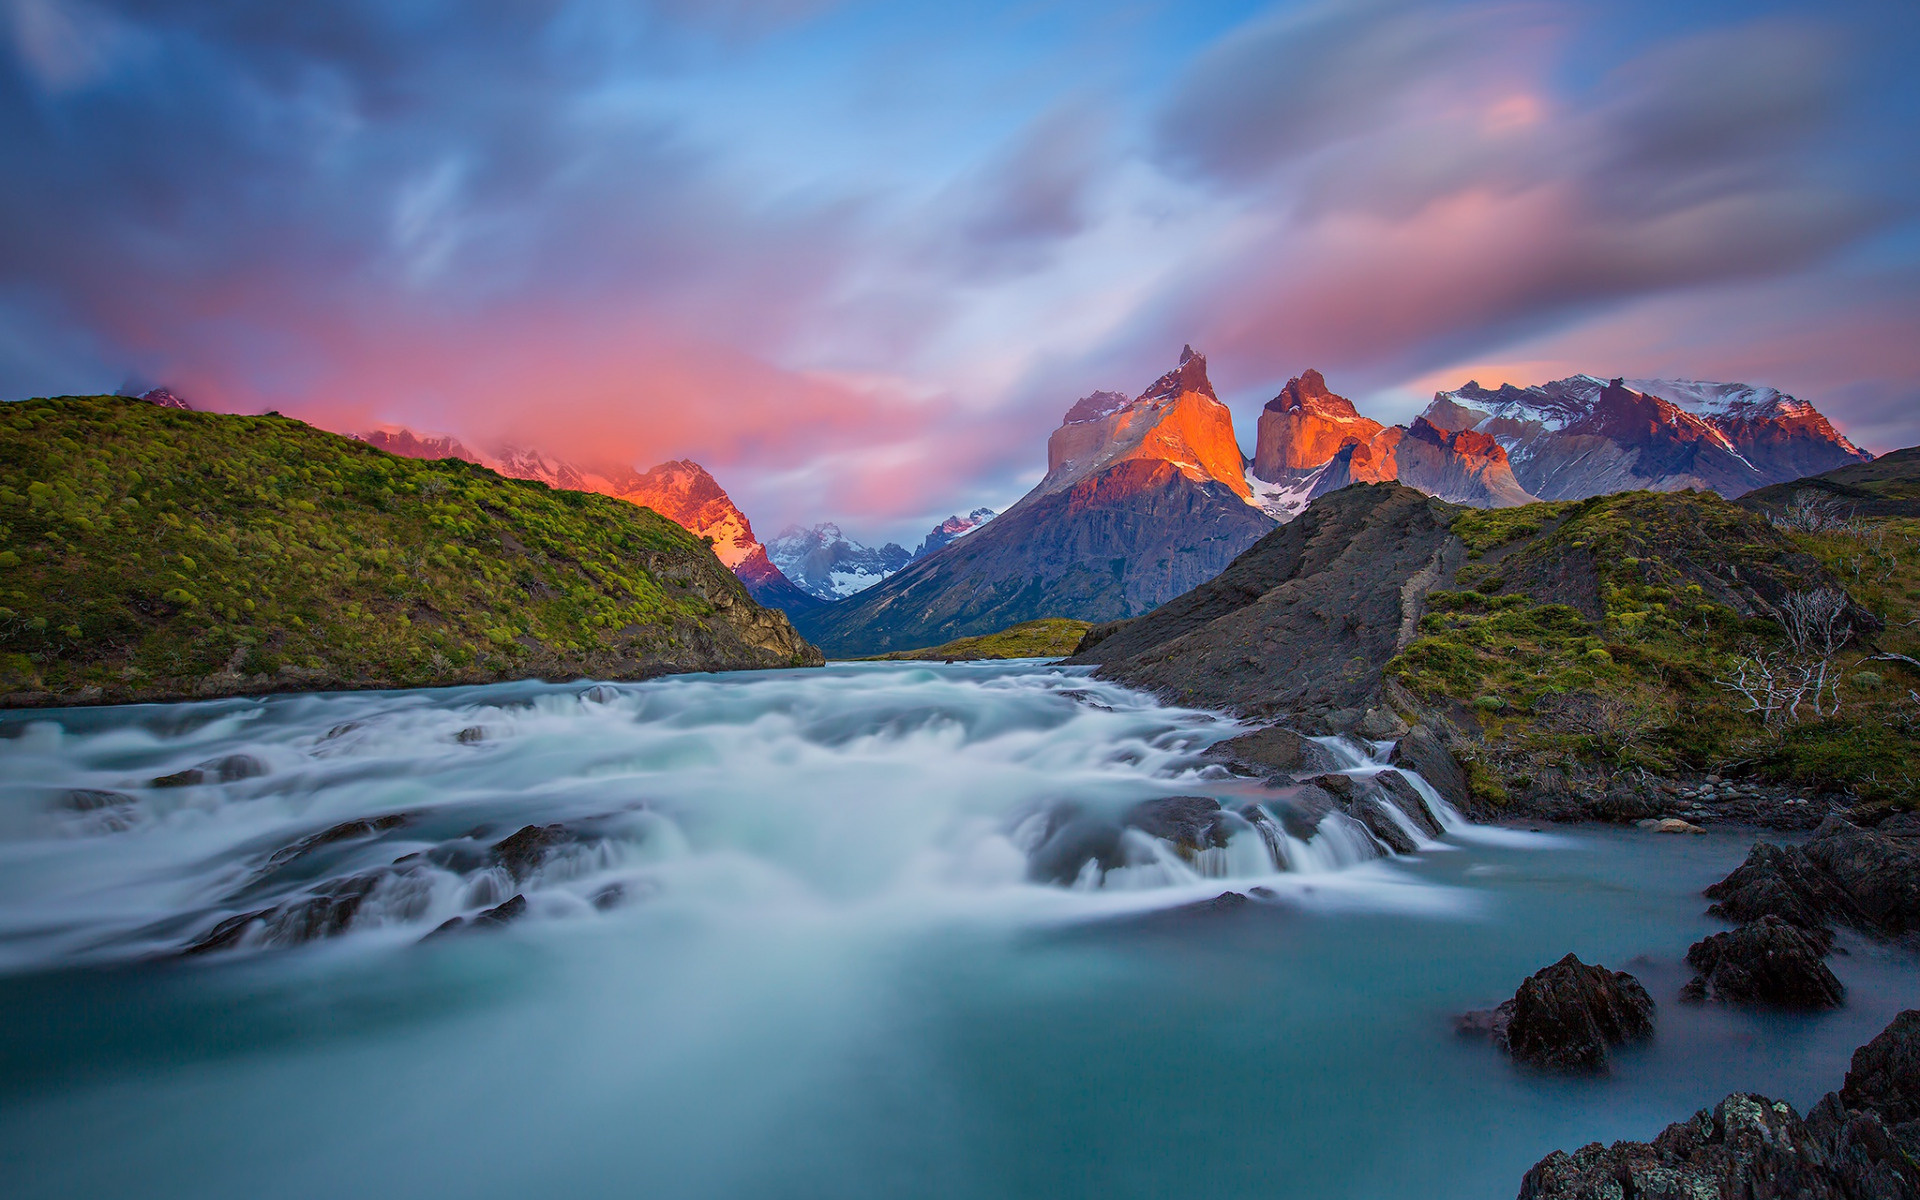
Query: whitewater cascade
[1037, 792]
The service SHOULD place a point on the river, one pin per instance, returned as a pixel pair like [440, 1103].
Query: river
[783, 934]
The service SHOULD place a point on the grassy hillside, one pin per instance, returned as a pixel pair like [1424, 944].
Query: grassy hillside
[1591, 640]
[150, 553]
[1049, 637]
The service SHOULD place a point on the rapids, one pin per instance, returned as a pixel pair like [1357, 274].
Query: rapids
[874, 930]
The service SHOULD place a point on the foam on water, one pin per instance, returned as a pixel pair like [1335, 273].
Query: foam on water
[909, 788]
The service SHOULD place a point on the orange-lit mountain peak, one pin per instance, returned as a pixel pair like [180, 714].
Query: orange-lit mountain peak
[1177, 420]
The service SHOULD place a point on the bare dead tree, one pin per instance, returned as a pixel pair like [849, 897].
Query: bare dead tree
[1818, 627]
[1808, 511]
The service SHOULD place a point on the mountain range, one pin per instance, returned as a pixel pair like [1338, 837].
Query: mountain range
[1146, 497]
[826, 563]
[1143, 499]
[1564, 440]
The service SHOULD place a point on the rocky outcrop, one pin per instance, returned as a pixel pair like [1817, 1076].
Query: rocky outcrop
[1844, 875]
[1277, 753]
[1567, 1017]
[1304, 426]
[1859, 1143]
[1767, 961]
[1142, 501]
[1301, 624]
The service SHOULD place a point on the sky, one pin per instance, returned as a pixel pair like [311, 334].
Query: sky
[858, 258]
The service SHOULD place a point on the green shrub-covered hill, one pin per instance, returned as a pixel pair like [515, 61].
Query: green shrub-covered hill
[150, 553]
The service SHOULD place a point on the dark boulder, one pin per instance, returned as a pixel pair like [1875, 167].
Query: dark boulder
[1422, 751]
[1192, 823]
[1566, 1017]
[524, 850]
[1880, 874]
[1885, 1073]
[493, 918]
[1746, 1146]
[1765, 962]
[1276, 751]
[1858, 1143]
[1844, 875]
[1408, 800]
[1367, 802]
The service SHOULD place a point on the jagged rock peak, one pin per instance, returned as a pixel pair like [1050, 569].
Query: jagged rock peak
[1095, 407]
[1308, 392]
[1189, 376]
[165, 399]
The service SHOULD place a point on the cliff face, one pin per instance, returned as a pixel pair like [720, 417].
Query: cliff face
[1313, 442]
[197, 554]
[1305, 426]
[1143, 500]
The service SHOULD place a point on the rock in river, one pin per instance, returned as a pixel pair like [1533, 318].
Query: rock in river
[1765, 962]
[1567, 1016]
[1858, 1143]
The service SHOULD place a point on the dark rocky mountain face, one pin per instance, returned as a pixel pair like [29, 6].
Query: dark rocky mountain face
[1143, 500]
[1115, 545]
[1302, 622]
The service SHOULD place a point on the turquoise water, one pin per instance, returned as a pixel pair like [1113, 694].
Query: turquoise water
[825, 969]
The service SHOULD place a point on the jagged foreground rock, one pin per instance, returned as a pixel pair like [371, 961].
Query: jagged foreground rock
[1859, 1143]
[1765, 962]
[1143, 500]
[1568, 1017]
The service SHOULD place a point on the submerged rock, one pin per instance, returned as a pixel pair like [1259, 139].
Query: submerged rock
[1566, 1017]
[524, 850]
[1859, 1143]
[496, 917]
[230, 769]
[324, 912]
[345, 831]
[1765, 962]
